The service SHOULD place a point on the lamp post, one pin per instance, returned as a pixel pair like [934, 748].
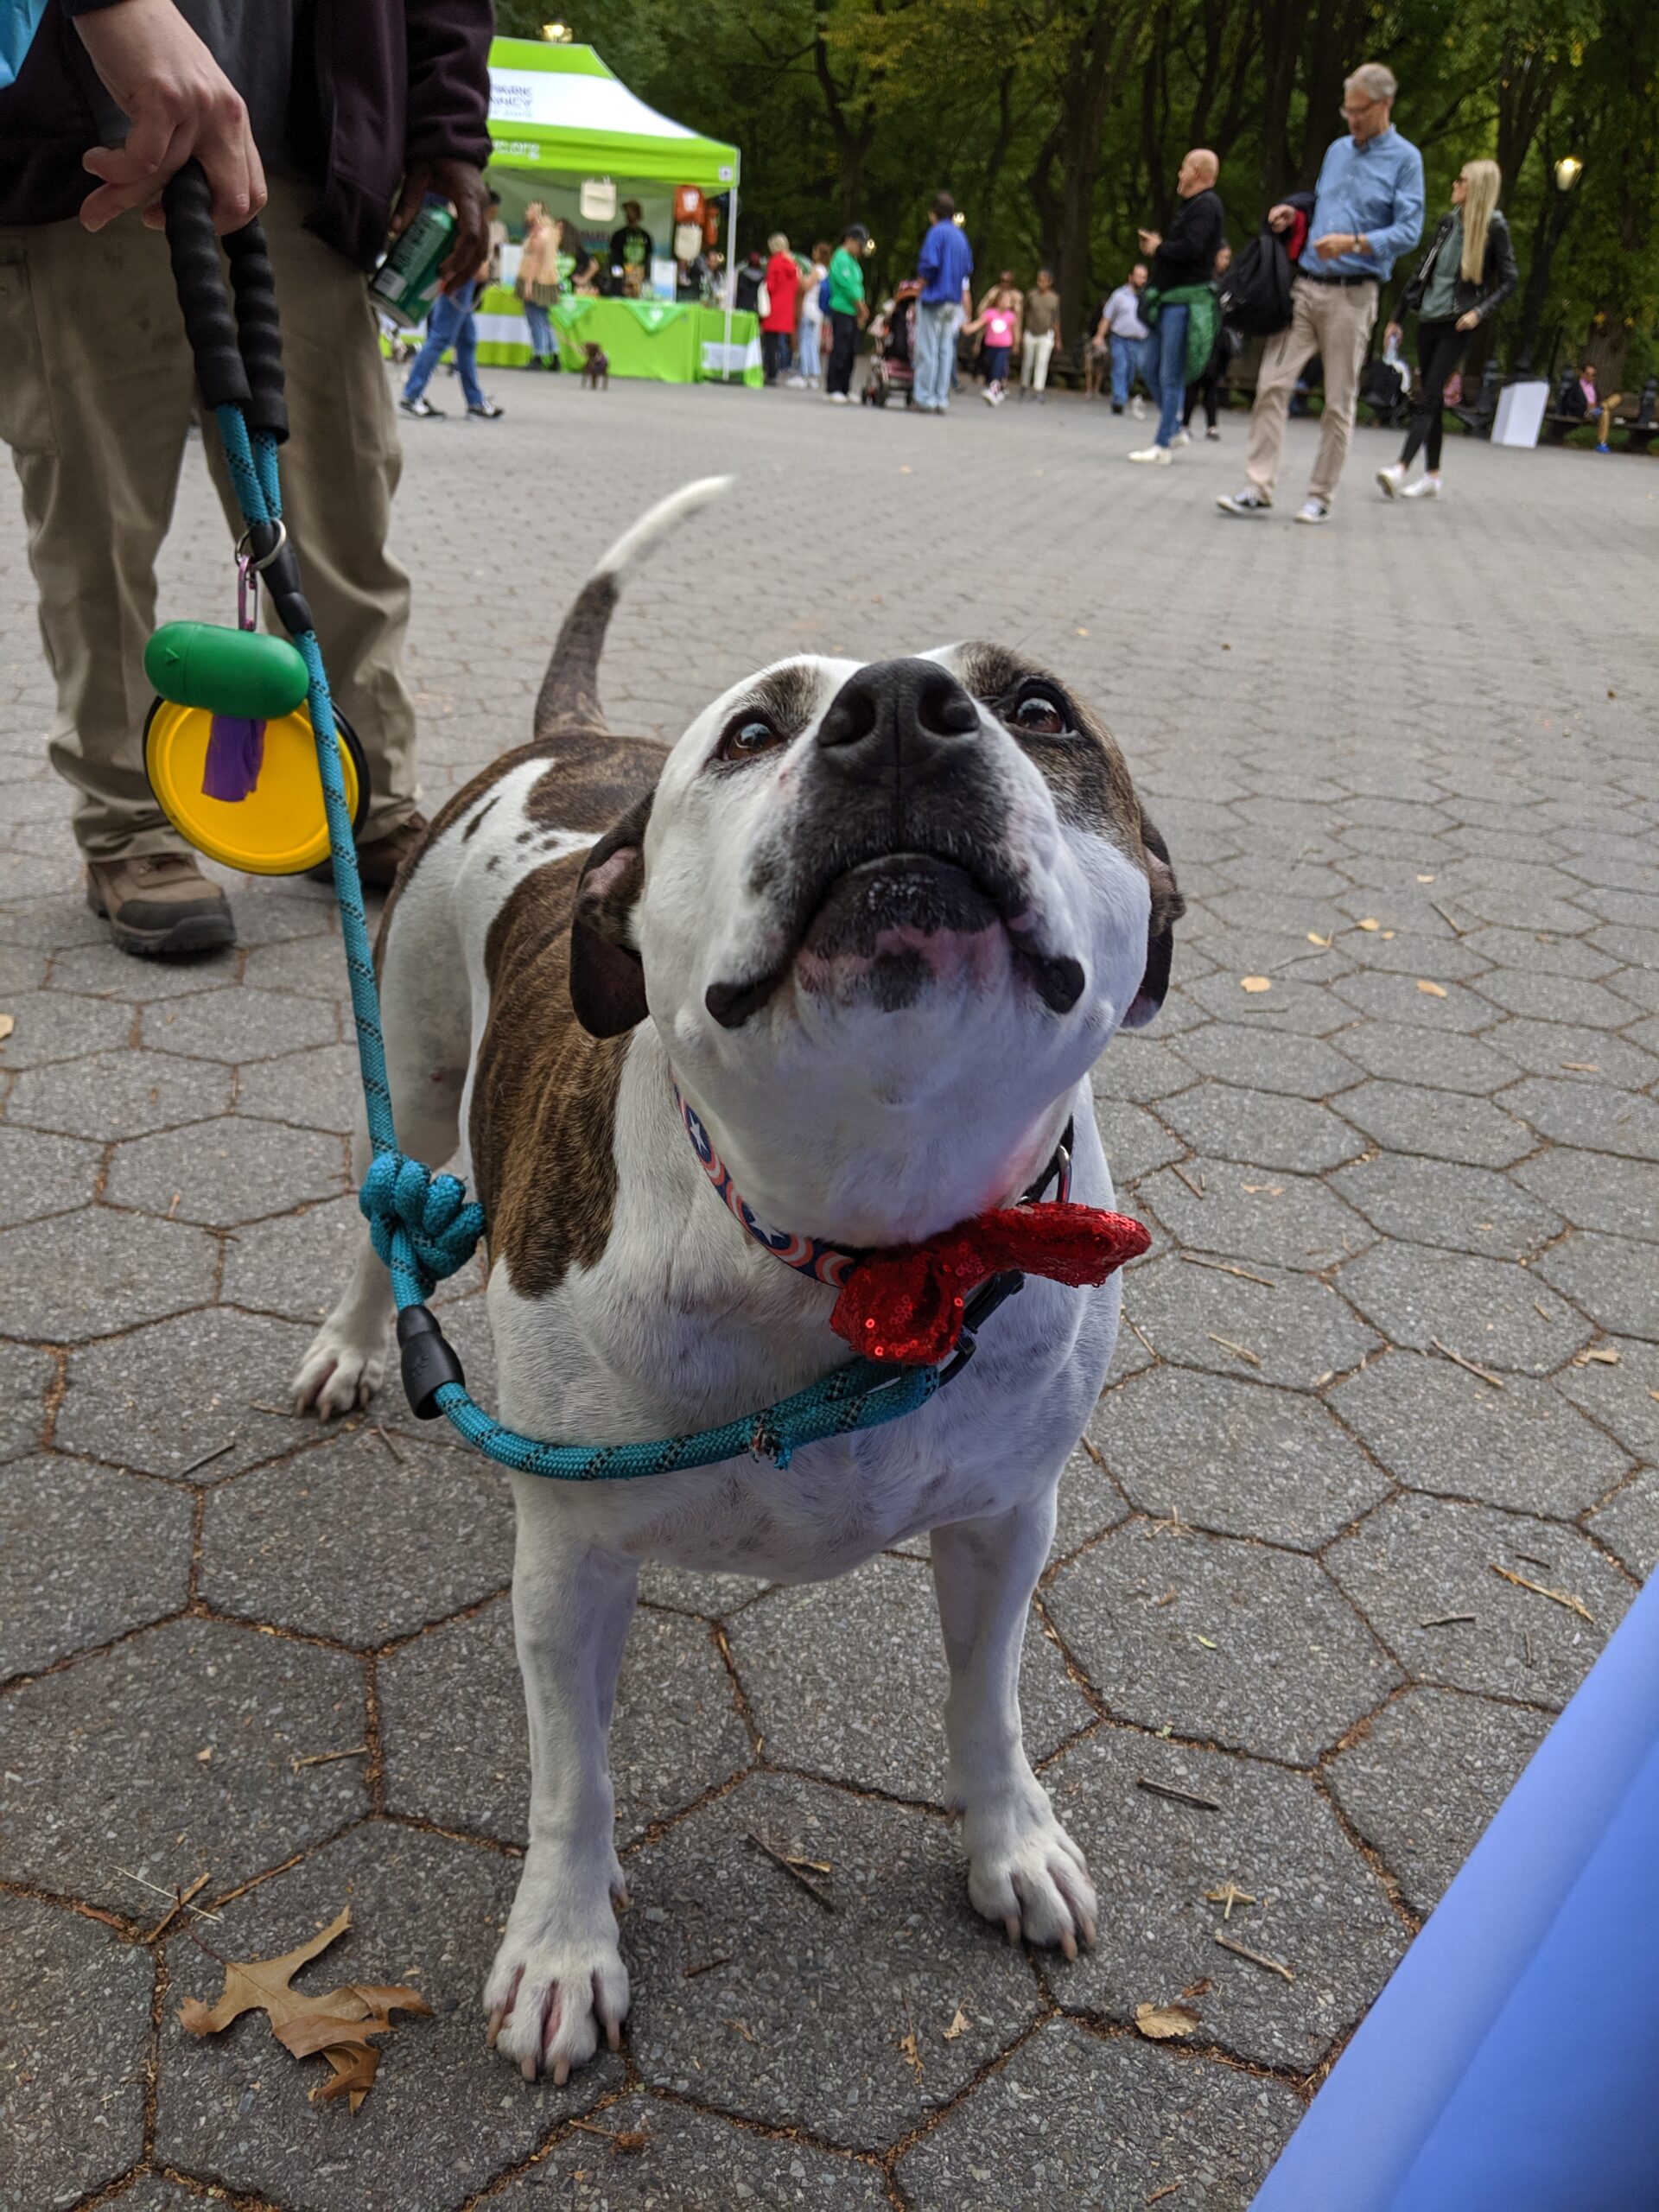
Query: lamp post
[1552, 222]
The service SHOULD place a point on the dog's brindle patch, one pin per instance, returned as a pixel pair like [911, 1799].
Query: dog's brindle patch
[1090, 780]
[544, 1110]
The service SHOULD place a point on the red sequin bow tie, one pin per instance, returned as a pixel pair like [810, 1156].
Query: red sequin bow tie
[906, 1306]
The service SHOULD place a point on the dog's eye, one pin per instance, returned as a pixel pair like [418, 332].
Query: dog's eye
[746, 734]
[1039, 713]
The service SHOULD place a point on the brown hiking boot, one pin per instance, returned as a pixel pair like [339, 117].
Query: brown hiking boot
[160, 906]
[379, 859]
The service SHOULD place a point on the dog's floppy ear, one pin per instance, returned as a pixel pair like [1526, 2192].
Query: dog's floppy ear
[1167, 907]
[607, 984]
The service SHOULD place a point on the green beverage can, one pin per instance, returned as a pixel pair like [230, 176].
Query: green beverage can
[406, 282]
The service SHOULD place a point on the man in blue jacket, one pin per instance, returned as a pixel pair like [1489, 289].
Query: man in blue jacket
[944, 265]
[1368, 209]
[311, 115]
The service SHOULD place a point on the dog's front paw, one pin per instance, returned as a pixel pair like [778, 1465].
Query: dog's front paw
[1025, 1870]
[550, 1992]
[339, 1373]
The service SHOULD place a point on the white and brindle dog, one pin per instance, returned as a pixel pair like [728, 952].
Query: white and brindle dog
[874, 922]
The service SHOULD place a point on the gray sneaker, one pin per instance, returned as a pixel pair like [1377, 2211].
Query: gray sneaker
[1312, 510]
[1250, 502]
[160, 906]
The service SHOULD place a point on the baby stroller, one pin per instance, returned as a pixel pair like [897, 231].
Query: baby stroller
[893, 365]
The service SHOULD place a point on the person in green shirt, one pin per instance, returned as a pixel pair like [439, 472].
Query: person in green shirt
[847, 311]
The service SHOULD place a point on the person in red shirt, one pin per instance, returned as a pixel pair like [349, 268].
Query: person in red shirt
[777, 324]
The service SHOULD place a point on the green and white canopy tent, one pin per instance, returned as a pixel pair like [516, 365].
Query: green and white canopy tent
[558, 118]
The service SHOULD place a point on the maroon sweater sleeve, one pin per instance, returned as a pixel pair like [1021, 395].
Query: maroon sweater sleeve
[448, 79]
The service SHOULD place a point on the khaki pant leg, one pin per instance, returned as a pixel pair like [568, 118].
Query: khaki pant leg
[1286, 354]
[339, 469]
[96, 393]
[1346, 313]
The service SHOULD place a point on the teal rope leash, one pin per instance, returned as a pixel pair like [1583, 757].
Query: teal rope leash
[424, 1227]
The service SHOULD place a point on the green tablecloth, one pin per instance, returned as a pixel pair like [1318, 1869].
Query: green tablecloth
[671, 342]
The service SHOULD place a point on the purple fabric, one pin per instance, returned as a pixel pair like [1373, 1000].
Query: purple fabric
[236, 753]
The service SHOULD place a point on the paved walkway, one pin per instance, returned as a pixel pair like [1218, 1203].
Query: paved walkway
[1397, 1332]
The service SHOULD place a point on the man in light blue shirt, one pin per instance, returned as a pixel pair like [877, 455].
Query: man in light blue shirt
[944, 265]
[1367, 210]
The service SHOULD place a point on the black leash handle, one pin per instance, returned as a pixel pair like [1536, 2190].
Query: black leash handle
[238, 359]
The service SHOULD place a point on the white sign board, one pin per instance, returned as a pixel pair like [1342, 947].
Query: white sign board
[1520, 414]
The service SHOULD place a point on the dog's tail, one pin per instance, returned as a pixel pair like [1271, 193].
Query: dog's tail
[568, 699]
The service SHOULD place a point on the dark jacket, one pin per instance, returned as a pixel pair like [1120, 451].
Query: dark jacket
[1187, 254]
[389, 83]
[1498, 274]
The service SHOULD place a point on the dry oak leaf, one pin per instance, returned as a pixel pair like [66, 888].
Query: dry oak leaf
[1255, 984]
[339, 2023]
[1165, 2023]
[1431, 990]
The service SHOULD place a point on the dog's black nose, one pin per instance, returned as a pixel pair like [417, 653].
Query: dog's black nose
[897, 719]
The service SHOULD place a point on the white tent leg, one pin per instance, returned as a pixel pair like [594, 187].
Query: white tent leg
[731, 264]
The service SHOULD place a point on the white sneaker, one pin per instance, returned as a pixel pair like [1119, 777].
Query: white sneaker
[1389, 480]
[1250, 502]
[1213, 433]
[1182, 437]
[796, 383]
[837, 398]
[1158, 455]
[1138, 408]
[1425, 487]
[1312, 510]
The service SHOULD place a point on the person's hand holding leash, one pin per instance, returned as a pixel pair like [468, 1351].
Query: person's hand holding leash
[462, 184]
[181, 103]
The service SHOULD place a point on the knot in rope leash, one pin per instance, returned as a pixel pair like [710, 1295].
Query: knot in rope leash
[440, 1228]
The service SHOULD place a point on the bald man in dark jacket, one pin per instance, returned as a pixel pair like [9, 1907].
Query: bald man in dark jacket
[331, 119]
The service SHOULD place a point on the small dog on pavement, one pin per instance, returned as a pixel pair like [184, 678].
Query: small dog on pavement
[595, 368]
[850, 947]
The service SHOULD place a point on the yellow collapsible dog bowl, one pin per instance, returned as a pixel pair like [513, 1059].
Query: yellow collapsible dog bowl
[280, 828]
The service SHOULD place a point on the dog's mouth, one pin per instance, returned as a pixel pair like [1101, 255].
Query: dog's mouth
[883, 932]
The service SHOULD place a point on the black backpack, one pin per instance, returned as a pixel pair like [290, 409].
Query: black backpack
[1255, 291]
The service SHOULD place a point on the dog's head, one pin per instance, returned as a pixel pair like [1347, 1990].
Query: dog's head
[916, 886]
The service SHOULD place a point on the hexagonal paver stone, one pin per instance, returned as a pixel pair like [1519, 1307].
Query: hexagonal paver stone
[1623, 1394]
[1088, 1502]
[445, 2115]
[226, 1172]
[25, 1378]
[42, 1174]
[1235, 1458]
[1435, 1202]
[296, 1265]
[718, 1932]
[167, 1399]
[313, 966]
[84, 1555]
[1396, 998]
[680, 1589]
[452, 1720]
[1425, 1775]
[1421, 1566]
[1438, 1124]
[316, 1090]
[1317, 1906]
[1593, 1190]
[1554, 998]
[1236, 1052]
[1594, 1119]
[1435, 1059]
[1295, 1331]
[848, 1679]
[238, 1025]
[1098, 2124]
[1612, 1279]
[153, 2193]
[1439, 1428]
[1591, 1056]
[50, 1026]
[101, 1764]
[340, 1540]
[74, 2023]
[92, 1273]
[674, 2156]
[1230, 1643]
[1628, 1523]
[1495, 1314]
[1254, 1214]
[118, 1095]
[1293, 1133]
[99, 971]
[1304, 1008]
[1139, 1068]
[1135, 1143]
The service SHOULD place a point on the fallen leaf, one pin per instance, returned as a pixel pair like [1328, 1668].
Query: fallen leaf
[339, 2023]
[1387, 934]
[1424, 879]
[1165, 2023]
[904, 468]
[8, 1023]
[1256, 982]
[1583, 1067]
[1209, 1643]
[912, 2056]
[1227, 1896]
[1324, 943]
[1597, 1355]
[1370, 922]
[1082, 633]
[204, 1755]
[959, 2027]
[1431, 990]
